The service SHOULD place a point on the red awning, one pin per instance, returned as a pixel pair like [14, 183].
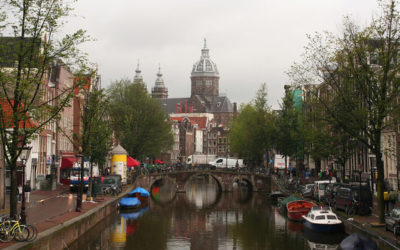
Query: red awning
[130, 162]
[67, 162]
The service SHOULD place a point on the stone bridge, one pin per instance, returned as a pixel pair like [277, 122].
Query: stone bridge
[224, 179]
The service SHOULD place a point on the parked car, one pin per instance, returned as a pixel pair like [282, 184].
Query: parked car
[308, 191]
[330, 193]
[353, 198]
[319, 188]
[392, 221]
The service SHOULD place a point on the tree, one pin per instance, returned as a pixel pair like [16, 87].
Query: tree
[139, 122]
[289, 131]
[251, 131]
[25, 59]
[360, 69]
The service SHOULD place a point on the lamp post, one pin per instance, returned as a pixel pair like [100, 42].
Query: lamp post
[25, 152]
[80, 187]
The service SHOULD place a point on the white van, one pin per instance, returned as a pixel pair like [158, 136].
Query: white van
[320, 186]
[227, 163]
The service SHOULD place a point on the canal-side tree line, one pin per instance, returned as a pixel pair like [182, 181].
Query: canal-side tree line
[32, 43]
[351, 86]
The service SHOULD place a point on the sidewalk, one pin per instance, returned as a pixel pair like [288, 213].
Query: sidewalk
[49, 208]
[36, 196]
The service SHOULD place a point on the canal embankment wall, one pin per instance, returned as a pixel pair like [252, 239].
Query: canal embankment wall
[64, 234]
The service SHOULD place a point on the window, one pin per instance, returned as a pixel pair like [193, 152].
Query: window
[199, 83]
[215, 135]
[208, 66]
[208, 83]
[331, 217]
[320, 217]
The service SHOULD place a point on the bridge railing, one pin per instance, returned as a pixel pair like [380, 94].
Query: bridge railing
[171, 169]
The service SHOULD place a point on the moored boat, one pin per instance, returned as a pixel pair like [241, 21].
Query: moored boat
[129, 202]
[322, 219]
[296, 209]
[282, 203]
[140, 193]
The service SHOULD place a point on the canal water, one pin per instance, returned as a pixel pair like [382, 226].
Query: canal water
[204, 218]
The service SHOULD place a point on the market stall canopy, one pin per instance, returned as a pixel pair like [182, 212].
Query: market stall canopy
[68, 162]
[159, 161]
[132, 162]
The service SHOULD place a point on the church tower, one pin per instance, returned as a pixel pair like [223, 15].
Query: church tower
[205, 78]
[159, 90]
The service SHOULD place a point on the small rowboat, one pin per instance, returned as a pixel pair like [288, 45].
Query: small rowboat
[296, 209]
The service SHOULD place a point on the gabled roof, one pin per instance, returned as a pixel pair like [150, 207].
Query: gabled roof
[221, 104]
[169, 104]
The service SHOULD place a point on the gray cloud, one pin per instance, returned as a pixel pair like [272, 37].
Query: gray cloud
[251, 41]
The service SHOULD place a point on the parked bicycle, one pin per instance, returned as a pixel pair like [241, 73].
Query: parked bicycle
[13, 229]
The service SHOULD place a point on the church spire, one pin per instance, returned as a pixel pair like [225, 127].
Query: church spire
[138, 76]
[159, 90]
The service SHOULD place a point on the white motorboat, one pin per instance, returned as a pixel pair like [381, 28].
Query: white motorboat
[322, 219]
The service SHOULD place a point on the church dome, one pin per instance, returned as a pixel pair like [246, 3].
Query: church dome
[205, 67]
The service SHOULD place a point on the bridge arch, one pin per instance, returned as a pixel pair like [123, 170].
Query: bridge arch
[245, 179]
[160, 181]
[217, 179]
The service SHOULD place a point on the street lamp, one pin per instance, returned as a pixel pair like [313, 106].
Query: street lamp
[25, 152]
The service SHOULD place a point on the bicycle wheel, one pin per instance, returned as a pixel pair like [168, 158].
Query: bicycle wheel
[21, 233]
[6, 235]
[32, 232]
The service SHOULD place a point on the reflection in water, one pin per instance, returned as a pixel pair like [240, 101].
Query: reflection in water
[202, 191]
[163, 191]
[227, 221]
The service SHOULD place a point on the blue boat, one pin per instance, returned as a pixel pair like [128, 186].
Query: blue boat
[141, 191]
[129, 202]
[322, 219]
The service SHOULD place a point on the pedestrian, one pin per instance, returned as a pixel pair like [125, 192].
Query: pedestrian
[386, 200]
[27, 190]
[392, 198]
[19, 192]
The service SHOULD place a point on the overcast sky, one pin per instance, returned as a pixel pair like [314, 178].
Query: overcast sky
[251, 42]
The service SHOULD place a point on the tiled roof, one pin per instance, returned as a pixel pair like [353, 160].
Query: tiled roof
[170, 104]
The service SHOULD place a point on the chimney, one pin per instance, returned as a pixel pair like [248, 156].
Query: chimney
[234, 107]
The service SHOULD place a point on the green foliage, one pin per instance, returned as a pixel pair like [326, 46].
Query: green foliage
[138, 120]
[252, 130]
[97, 130]
[28, 48]
[360, 80]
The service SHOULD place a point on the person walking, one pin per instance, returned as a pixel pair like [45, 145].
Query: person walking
[27, 190]
[19, 192]
[386, 200]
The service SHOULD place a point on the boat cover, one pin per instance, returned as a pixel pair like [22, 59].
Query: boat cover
[129, 202]
[141, 191]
